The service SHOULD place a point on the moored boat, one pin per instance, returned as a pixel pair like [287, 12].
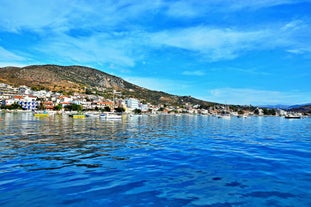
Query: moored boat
[224, 116]
[41, 114]
[292, 116]
[78, 116]
[242, 116]
[111, 116]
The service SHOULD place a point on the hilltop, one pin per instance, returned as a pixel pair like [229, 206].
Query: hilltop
[304, 108]
[71, 79]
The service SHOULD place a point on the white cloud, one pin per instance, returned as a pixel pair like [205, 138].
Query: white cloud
[215, 44]
[194, 73]
[63, 15]
[188, 9]
[101, 48]
[254, 71]
[6, 55]
[194, 8]
[117, 34]
[10, 58]
[256, 97]
[251, 4]
[35, 15]
[296, 51]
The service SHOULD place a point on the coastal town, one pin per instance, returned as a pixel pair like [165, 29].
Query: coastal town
[24, 98]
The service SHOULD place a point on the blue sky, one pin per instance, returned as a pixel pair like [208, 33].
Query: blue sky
[227, 51]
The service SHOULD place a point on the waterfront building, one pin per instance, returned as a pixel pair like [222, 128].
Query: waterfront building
[64, 99]
[24, 90]
[132, 103]
[28, 102]
[7, 91]
[42, 94]
[144, 107]
[48, 105]
[7, 102]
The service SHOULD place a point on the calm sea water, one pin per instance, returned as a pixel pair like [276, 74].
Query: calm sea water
[154, 161]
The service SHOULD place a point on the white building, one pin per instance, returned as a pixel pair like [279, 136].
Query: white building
[132, 103]
[24, 90]
[29, 102]
[42, 94]
[144, 107]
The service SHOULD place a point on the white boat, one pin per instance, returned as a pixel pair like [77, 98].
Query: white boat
[225, 114]
[92, 114]
[292, 116]
[111, 116]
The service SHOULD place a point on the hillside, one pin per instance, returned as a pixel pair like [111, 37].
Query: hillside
[70, 79]
[305, 108]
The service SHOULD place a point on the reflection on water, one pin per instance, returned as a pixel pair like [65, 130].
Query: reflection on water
[154, 161]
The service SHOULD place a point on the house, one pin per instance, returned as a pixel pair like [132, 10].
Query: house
[144, 107]
[132, 103]
[24, 90]
[103, 104]
[64, 100]
[42, 94]
[48, 105]
[63, 104]
[7, 102]
[28, 102]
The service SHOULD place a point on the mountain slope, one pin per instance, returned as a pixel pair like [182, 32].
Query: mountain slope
[304, 108]
[81, 79]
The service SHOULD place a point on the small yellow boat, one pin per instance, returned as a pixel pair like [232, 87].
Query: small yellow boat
[41, 114]
[77, 116]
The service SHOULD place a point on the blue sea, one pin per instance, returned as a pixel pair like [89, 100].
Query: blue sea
[162, 160]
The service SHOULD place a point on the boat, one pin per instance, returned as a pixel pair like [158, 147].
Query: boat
[111, 116]
[78, 116]
[292, 116]
[92, 114]
[225, 114]
[41, 114]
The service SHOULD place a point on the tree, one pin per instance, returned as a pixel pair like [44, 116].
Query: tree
[58, 107]
[269, 111]
[41, 106]
[88, 91]
[240, 111]
[107, 108]
[120, 109]
[73, 107]
[161, 109]
[256, 111]
[13, 106]
[137, 111]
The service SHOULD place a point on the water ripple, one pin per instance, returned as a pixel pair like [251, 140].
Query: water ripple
[154, 161]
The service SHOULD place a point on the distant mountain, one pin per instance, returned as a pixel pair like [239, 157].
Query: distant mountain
[299, 106]
[70, 79]
[304, 108]
[278, 106]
